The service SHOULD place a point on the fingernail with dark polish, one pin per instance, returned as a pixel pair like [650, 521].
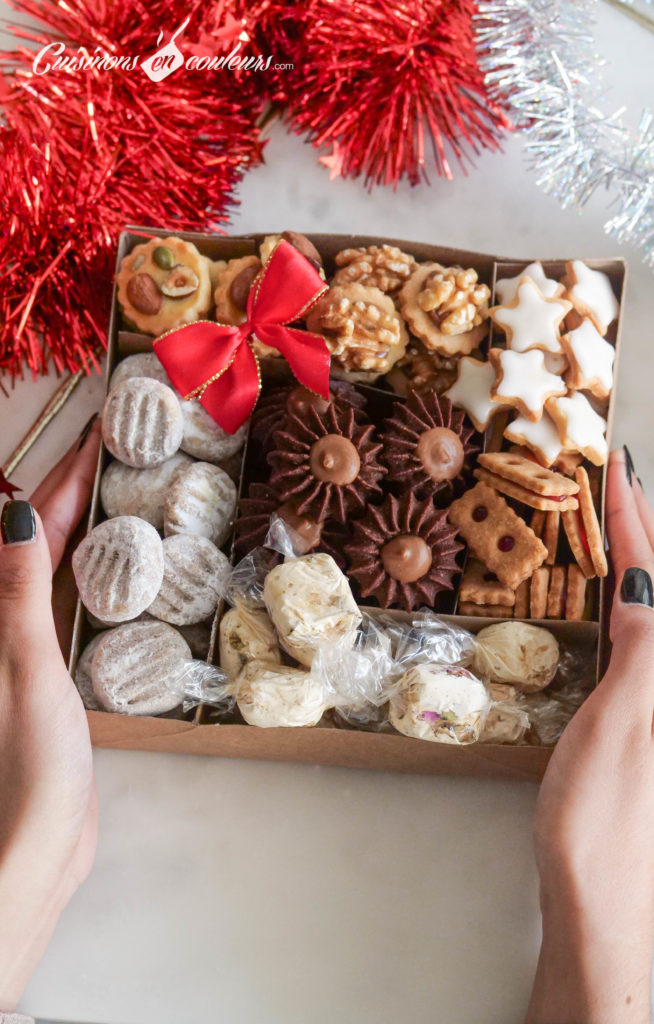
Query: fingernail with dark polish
[18, 523]
[87, 430]
[637, 587]
[629, 466]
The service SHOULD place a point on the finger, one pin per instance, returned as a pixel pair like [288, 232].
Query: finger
[64, 506]
[628, 540]
[645, 512]
[26, 621]
[58, 473]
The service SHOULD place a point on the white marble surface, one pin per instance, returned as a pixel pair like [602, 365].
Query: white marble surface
[274, 894]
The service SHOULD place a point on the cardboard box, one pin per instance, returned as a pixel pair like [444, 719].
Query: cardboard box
[334, 746]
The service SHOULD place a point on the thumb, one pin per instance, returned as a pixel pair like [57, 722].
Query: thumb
[25, 580]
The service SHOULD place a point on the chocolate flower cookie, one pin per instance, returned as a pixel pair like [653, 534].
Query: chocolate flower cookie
[426, 444]
[274, 409]
[326, 464]
[403, 552]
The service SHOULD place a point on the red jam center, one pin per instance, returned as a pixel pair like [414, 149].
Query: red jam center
[480, 513]
[506, 543]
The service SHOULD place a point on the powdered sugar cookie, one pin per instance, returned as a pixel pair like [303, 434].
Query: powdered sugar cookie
[204, 439]
[506, 287]
[591, 294]
[142, 364]
[195, 578]
[531, 320]
[446, 307]
[125, 491]
[472, 391]
[142, 422]
[523, 382]
[591, 360]
[202, 502]
[83, 680]
[233, 288]
[139, 668]
[541, 437]
[119, 568]
[163, 284]
[580, 427]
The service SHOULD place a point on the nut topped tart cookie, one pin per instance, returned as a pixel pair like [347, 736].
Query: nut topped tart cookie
[233, 285]
[273, 409]
[404, 552]
[163, 284]
[326, 464]
[426, 444]
[446, 307]
[363, 330]
[385, 267]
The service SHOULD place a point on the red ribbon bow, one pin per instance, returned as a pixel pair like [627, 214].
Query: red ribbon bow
[215, 362]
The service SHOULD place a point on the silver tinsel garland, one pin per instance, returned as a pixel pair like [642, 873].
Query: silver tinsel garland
[541, 66]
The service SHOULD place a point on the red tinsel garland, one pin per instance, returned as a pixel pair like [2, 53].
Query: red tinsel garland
[87, 152]
[381, 80]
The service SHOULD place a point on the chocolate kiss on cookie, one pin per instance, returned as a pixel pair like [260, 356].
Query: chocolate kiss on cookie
[426, 444]
[404, 552]
[273, 409]
[326, 464]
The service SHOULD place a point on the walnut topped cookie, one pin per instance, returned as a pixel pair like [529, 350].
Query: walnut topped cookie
[363, 330]
[446, 307]
[163, 284]
[385, 267]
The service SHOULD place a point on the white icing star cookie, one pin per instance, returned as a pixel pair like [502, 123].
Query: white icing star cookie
[556, 362]
[523, 381]
[591, 360]
[472, 391]
[506, 287]
[541, 437]
[531, 320]
[580, 428]
[591, 294]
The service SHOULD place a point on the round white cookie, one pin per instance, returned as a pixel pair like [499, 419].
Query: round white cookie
[142, 364]
[202, 502]
[142, 422]
[138, 668]
[83, 675]
[119, 568]
[125, 491]
[204, 439]
[275, 695]
[195, 578]
[246, 634]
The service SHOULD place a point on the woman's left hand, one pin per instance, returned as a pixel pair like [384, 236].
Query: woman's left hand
[48, 813]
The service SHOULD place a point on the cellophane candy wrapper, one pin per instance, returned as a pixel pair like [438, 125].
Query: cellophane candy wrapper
[200, 683]
[360, 679]
[426, 639]
[508, 718]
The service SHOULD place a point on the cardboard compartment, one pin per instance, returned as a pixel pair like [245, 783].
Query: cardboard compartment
[335, 746]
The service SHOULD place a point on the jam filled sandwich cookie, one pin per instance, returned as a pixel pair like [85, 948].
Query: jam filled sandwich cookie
[481, 587]
[496, 535]
[530, 320]
[472, 392]
[523, 381]
[591, 294]
[506, 287]
[163, 284]
[527, 482]
[446, 307]
[583, 531]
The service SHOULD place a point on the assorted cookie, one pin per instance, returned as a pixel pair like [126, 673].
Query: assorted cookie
[405, 509]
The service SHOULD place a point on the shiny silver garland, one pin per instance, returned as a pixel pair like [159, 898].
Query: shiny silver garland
[541, 66]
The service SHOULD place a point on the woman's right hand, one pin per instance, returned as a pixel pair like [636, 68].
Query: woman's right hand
[595, 811]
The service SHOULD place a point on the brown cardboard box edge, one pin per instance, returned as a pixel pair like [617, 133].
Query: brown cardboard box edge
[324, 746]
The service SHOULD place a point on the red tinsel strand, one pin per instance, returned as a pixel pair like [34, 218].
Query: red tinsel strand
[381, 80]
[87, 152]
